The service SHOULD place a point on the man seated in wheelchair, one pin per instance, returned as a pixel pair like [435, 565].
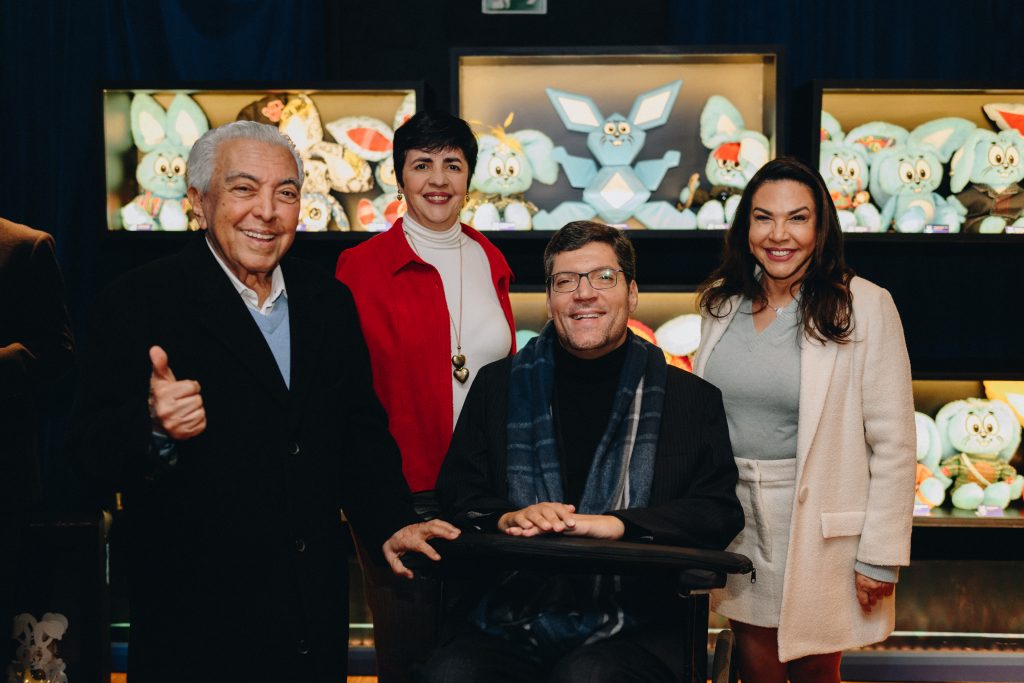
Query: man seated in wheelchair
[585, 432]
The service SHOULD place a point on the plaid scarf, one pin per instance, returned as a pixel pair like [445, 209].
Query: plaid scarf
[552, 615]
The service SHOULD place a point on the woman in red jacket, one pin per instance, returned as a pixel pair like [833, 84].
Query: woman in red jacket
[433, 303]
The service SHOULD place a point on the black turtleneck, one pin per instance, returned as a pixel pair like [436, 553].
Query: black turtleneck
[582, 405]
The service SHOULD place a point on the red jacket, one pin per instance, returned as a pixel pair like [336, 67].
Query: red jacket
[405, 323]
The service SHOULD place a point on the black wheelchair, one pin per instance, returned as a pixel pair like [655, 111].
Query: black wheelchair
[693, 571]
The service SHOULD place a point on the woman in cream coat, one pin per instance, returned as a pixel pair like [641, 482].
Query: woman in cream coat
[816, 380]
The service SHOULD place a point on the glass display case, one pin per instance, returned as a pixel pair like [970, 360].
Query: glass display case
[637, 137]
[342, 132]
[922, 157]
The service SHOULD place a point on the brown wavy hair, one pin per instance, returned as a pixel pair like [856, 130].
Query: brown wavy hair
[826, 304]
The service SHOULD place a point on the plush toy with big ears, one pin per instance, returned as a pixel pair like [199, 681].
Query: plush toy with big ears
[166, 138]
[844, 163]
[905, 178]
[979, 436]
[987, 172]
[736, 155]
[613, 187]
[506, 167]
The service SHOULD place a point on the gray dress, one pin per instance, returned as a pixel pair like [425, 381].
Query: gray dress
[759, 376]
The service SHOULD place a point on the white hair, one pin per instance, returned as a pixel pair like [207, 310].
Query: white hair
[203, 157]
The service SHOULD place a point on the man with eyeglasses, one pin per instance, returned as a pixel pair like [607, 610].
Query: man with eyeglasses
[585, 432]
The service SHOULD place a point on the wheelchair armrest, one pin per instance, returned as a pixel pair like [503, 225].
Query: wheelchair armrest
[474, 553]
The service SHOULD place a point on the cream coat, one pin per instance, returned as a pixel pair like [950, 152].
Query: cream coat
[855, 475]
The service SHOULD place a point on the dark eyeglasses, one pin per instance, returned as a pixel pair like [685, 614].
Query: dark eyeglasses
[599, 278]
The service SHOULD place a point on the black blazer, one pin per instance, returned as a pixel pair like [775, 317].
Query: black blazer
[692, 501]
[693, 493]
[238, 565]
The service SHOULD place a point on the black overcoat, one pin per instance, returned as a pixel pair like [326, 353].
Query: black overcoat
[238, 564]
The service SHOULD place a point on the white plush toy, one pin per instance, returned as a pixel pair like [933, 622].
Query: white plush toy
[35, 657]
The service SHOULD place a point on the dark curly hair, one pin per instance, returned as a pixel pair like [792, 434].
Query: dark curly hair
[434, 131]
[826, 304]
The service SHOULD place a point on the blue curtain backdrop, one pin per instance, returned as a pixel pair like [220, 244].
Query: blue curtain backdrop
[54, 56]
[57, 54]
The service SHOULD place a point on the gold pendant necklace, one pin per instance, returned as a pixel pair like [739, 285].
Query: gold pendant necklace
[461, 372]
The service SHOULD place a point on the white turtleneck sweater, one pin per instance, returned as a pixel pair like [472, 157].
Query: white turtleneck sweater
[485, 335]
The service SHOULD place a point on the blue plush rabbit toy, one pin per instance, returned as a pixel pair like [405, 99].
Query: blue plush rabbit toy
[616, 190]
[844, 163]
[904, 178]
[987, 172]
[506, 167]
[166, 138]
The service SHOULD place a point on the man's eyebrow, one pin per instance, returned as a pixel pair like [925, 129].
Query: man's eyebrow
[235, 175]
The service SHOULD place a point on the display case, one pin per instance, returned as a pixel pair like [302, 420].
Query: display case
[957, 613]
[926, 157]
[636, 137]
[343, 132]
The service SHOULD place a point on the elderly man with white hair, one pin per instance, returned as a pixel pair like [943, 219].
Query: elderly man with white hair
[228, 398]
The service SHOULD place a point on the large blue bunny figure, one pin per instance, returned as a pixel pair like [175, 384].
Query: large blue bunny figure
[990, 163]
[166, 138]
[904, 177]
[616, 191]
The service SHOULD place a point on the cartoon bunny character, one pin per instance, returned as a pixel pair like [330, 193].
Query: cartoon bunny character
[904, 177]
[166, 138]
[736, 155]
[506, 167]
[979, 436]
[615, 191]
[991, 163]
[844, 163]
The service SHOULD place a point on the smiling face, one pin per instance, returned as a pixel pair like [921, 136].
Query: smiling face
[783, 230]
[251, 209]
[591, 322]
[434, 184]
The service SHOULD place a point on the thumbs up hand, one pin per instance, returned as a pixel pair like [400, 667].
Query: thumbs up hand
[175, 406]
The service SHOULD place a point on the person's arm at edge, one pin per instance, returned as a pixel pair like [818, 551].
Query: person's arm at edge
[46, 351]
